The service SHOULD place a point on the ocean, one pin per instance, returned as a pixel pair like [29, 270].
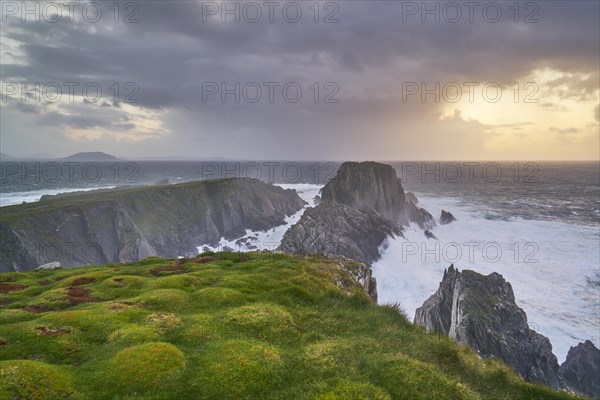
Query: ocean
[536, 223]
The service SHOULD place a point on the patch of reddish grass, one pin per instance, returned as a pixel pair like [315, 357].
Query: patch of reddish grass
[174, 268]
[35, 309]
[85, 280]
[11, 287]
[77, 295]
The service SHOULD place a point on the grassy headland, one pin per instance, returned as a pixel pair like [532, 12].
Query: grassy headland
[227, 326]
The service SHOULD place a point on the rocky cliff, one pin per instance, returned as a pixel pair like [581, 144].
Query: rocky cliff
[361, 206]
[376, 186]
[335, 229]
[480, 311]
[581, 369]
[134, 223]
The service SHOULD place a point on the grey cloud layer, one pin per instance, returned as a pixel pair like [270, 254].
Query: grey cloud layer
[369, 53]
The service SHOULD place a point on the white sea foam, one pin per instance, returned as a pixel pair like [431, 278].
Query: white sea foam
[272, 238]
[10, 198]
[549, 264]
[555, 291]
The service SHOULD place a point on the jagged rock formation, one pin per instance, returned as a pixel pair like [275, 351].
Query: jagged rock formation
[446, 218]
[480, 311]
[376, 186]
[410, 196]
[581, 369]
[429, 235]
[134, 223]
[335, 229]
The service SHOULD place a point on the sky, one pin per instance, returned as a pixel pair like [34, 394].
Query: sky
[305, 80]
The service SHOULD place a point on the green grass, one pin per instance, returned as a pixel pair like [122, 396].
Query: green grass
[261, 326]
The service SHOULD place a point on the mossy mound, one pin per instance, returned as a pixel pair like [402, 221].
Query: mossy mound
[333, 354]
[218, 296]
[163, 322]
[262, 319]
[183, 282]
[134, 333]
[348, 390]
[25, 379]
[55, 299]
[163, 299]
[245, 369]
[147, 367]
[121, 281]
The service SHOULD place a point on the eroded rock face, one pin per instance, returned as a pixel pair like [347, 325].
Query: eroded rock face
[335, 229]
[480, 311]
[362, 274]
[581, 369]
[134, 223]
[446, 218]
[376, 186]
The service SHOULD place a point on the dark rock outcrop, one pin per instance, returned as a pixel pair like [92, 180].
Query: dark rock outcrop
[413, 213]
[409, 196]
[335, 229]
[134, 223]
[429, 235]
[376, 186]
[480, 311]
[446, 218]
[366, 184]
[581, 369]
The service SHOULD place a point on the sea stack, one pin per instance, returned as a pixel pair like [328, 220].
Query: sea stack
[481, 312]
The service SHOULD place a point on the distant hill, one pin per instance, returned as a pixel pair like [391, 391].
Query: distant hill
[6, 157]
[91, 156]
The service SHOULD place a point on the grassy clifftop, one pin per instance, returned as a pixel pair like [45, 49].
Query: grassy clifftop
[130, 224]
[226, 326]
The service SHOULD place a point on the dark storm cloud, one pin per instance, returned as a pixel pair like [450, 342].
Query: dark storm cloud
[171, 52]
